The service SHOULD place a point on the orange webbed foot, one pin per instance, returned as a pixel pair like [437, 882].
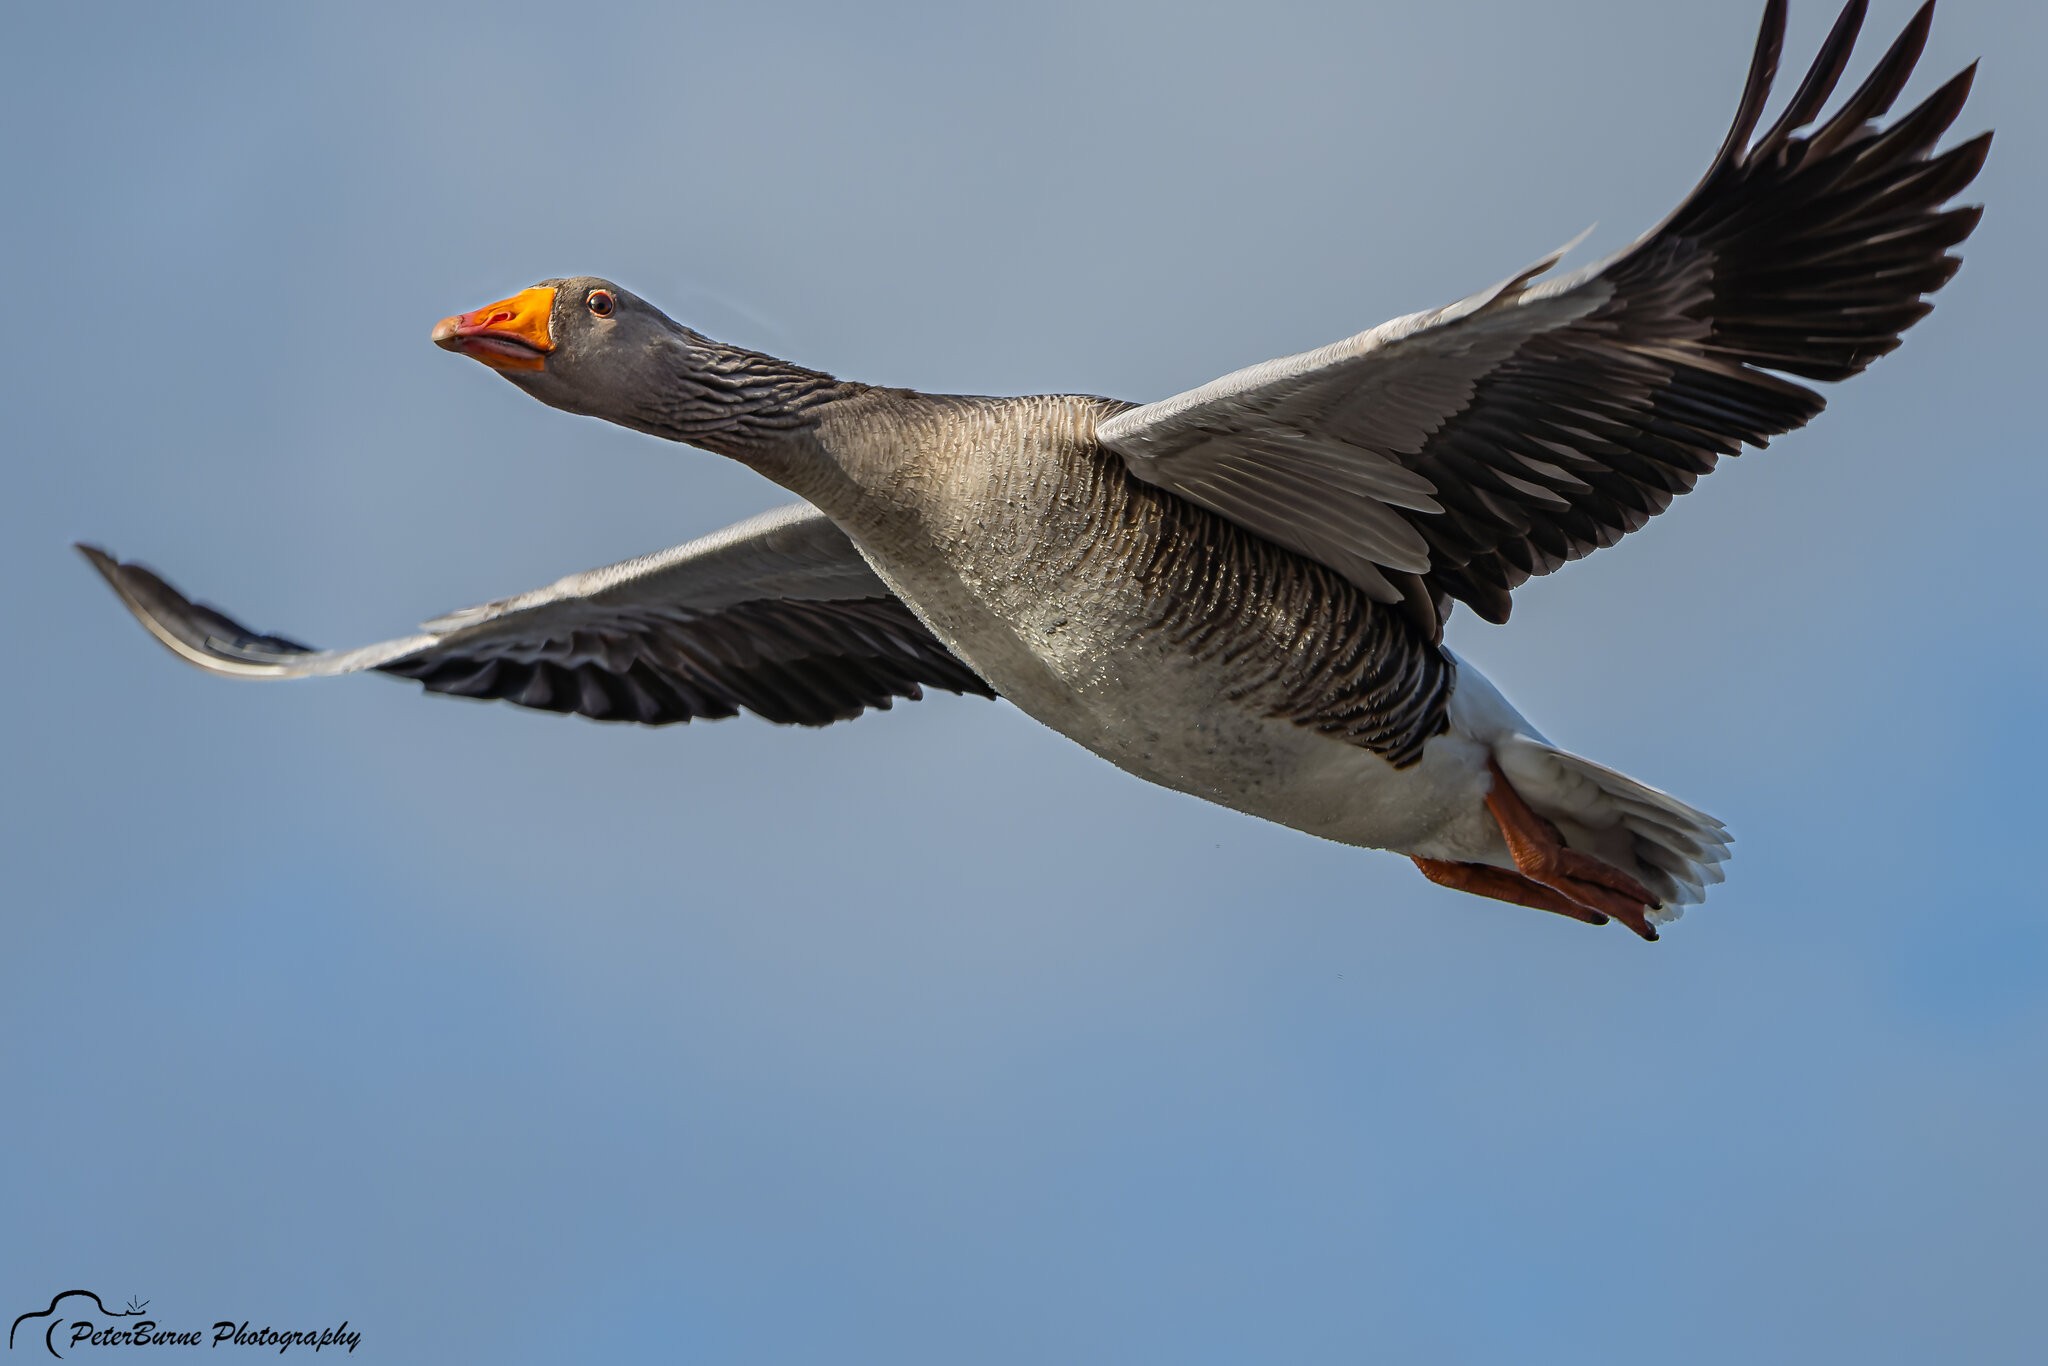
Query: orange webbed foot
[1593, 889]
[1631, 908]
[1482, 879]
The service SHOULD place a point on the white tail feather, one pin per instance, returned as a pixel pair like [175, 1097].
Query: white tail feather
[1673, 849]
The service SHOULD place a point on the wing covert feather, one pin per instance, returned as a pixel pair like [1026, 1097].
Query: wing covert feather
[1471, 447]
[778, 615]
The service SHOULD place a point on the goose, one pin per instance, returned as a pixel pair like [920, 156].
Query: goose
[1238, 592]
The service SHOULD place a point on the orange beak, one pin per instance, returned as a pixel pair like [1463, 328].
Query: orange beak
[511, 334]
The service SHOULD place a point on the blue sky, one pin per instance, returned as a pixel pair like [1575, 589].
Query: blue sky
[932, 1037]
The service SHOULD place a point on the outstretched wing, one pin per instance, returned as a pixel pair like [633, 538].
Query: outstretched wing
[1456, 453]
[778, 614]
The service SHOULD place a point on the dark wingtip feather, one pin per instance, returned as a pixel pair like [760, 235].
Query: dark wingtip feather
[1821, 77]
[1880, 88]
[1756, 91]
[1928, 120]
[109, 567]
[1950, 173]
[117, 576]
[1805, 258]
[200, 634]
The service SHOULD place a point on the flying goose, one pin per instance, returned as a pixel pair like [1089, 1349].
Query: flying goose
[1238, 592]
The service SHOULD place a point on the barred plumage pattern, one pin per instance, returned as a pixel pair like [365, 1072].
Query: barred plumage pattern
[793, 662]
[729, 396]
[1303, 644]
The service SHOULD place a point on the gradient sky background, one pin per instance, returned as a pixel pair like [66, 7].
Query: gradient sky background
[932, 1038]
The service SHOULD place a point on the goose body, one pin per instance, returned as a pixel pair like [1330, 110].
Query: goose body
[1162, 638]
[1237, 592]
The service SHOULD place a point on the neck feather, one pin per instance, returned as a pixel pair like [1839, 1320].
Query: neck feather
[734, 402]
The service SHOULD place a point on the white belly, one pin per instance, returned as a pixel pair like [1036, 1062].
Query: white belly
[1175, 648]
[1066, 585]
[1152, 710]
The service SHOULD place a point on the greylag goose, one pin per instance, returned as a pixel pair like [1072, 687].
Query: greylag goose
[1238, 592]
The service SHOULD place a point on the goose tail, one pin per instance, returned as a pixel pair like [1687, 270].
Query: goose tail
[1673, 849]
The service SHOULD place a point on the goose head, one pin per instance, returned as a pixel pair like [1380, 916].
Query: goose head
[588, 346]
[581, 344]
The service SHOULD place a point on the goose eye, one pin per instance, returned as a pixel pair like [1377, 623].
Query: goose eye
[600, 302]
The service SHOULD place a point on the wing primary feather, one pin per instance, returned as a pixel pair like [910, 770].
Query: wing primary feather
[779, 615]
[1879, 89]
[1756, 90]
[1821, 79]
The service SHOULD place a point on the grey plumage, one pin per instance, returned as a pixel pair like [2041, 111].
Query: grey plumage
[1237, 592]
[778, 615]
[1535, 422]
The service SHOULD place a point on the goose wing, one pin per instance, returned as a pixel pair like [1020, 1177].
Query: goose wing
[778, 614]
[1456, 453]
